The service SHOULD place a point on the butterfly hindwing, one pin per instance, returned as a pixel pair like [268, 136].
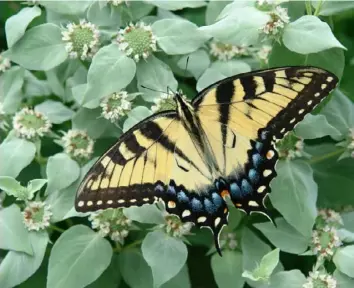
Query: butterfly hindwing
[259, 108]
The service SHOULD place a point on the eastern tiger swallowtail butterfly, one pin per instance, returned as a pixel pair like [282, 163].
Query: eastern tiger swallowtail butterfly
[219, 144]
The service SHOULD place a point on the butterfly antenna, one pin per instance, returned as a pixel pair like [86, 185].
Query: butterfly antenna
[185, 69]
[153, 89]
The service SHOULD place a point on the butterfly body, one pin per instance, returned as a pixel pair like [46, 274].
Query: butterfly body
[221, 144]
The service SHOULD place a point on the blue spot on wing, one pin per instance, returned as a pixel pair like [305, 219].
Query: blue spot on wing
[182, 197]
[171, 190]
[217, 200]
[246, 187]
[253, 175]
[257, 160]
[235, 190]
[209, 206]
[259, 146]
[197, 206]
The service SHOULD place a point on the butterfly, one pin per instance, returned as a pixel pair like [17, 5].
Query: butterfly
[220, 144]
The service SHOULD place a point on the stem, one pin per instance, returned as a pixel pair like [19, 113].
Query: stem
[308, 7]
[318, 8]
[118, 248]
[133, 244]
[326, 156]
[319, 263]
[55, 228]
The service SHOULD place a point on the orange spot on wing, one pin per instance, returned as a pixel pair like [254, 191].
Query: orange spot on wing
[238, 205]
[224, 193]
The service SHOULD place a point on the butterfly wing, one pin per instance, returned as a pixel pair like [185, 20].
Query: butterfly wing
[244, 115]
[156, 159]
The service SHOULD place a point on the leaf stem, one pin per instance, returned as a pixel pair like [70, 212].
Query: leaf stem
[326, 156]
[55, 228]
[308, 7]
[133, 244]
[318, 8]
[118, 248]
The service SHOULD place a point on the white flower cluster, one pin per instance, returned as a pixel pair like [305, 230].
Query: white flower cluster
[278, 19]
[28, 124]
[36, 215]
[137, 41]
[77, 144]
[116, 2]
[325, 241]
[317, 279]
[82, 40]
[5, 63]
[330, 217]
[225, 52]
[115, 106]
[174, 226]
[163, 102]
[112, 223]
[231, 242]
[263, 53]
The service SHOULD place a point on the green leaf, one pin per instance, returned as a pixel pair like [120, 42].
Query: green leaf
[12, 187]
[240, 27]
[178, 36]
[56, 111]
[177, 5]
[154, 74]
[348, 220]
[14, 235]
[12, 89]
[316, 126]
[284, 236]
[331, 59]
[180, 280]
[164, 254]
[15, 155]
[34, 87]
[344, 260]
[136, 115]
[110, 71]
[145, 214]
[265, 268]
[106, 15]
[111, 277]
[66, 7]
[35, 185]
[59, 178]
[309, 34]
[227, 269]
[134, 269]
[198, 62]
[343, 281]
[16, 25]
[345, 235]
[94, 124]
[19, 266]
[329, 8]
[220, 70]
[339, 112]
[289, 279]
[135, 10]
[78, 258]
[294, 195]
[41, 48]
[213, 10]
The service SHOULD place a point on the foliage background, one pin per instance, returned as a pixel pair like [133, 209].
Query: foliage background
[41, 71]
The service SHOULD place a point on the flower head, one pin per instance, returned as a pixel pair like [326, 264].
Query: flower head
[291, 147]
[225, 52]
[77, 144]
[30, 124]
[325, 242]
[320, 280]
[82, 40]
[164, 102]
[5, 63]
[112, 223]
[174, 226]
[36, 215]
[115, 106]
[229, 240]
[328, 217]
[278, 19]
[137, 41]
[263, 53]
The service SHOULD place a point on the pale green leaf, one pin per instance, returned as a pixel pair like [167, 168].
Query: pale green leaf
[35, 185]
[59, 178]
[56, 111]
[178, 36]
[344, 260]
[309, 34]
[238, 28]
[198, 62]
[156, 75]
[348, 220]
[289, 279]
[106, 15]
[213, 10]
[41, 48]
[284, 236]
[177, 5]
[345, 235]
[181, 280]
[34, 87]
[294, 195]
[12, 187]
[227, 269]
[19, 266]
[343, 280]
[136, 115]
[165, 255]
[220, 70]
[14, 235]
[145, 214]
[329, 8]
[13, 81]
[66, 7]
[15, 155]
[78, 258]
[16, 25]
[110, 71]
